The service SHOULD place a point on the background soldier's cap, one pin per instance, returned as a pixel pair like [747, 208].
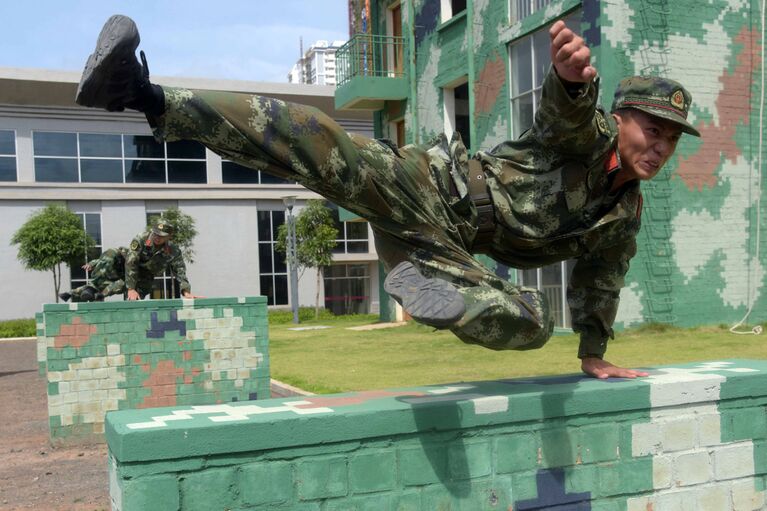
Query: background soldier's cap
[656, 96]
[162, 228]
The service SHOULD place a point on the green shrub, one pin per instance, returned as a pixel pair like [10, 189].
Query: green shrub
[18, 328]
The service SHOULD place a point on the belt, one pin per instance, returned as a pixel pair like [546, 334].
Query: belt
[483, 240]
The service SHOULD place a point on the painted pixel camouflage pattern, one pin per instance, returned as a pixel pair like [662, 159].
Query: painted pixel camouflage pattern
[105, 356]
[688, 437]
[697, 257]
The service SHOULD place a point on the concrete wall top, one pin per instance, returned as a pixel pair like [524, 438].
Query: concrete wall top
[168, 433]
[156, 304]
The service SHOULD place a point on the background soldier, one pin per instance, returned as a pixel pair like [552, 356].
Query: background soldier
[134, 269]
[568, 188]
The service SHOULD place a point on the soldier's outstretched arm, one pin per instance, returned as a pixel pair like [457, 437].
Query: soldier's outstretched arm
[569, 55]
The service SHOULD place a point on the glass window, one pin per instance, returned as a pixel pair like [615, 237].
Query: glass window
[186, 149]
[95, 145]
[101, 171]
[521, 9]
[7, 168]
[142, 146]
[144, 171]
[347, 288]
[352, 236]
[272, 270]
[56, 170]
[92, 224]
[54, 144]
[7, 142]
[187, 172]
[233, 173]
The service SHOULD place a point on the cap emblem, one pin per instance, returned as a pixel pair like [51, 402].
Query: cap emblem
[677, 100]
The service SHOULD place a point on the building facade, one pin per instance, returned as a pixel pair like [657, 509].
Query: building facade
[317, 66]
[476, 67]
[108, 169]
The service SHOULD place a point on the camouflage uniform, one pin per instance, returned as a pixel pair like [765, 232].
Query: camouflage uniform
[550, 189]
[144, 261]
[107, 274]
[118, 270]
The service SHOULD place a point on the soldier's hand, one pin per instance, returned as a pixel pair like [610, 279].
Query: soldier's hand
[133, 295]
[87, 267]
[602, 369]
[569, 55]
[187, 294]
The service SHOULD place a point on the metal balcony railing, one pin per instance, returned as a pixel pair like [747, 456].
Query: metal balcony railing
[370, 55]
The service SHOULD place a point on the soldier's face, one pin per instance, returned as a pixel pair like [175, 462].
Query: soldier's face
[645, 143]
[159, 240]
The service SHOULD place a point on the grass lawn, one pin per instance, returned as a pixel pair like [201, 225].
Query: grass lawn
[340, 360]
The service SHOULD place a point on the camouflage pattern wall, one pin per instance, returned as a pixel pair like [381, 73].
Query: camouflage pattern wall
[703, 246]
[105, 356]
[691, 437]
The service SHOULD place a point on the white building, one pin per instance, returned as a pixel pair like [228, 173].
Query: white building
[107, 168]
[318, 65]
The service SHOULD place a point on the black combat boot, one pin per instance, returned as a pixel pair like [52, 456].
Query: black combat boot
[65, 296]
[88, 294]
[431, 301]
[113, 78]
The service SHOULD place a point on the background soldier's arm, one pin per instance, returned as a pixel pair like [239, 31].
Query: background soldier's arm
[178, 268]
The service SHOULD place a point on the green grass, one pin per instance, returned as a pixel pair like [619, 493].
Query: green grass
[17, 328]
[340, 360]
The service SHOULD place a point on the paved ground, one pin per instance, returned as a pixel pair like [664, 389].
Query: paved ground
[33, 475]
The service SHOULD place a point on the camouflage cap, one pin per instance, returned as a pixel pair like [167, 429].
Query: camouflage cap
[162, 228]
[656, 96]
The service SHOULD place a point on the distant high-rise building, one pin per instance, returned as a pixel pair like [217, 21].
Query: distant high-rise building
[317, 65]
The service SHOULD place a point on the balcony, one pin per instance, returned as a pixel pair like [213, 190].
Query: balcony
[370, 71]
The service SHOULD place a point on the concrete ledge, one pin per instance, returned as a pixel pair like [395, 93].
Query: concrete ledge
[675, 440]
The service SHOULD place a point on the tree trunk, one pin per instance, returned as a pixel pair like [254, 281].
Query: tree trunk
[56, 282]
[317, 299]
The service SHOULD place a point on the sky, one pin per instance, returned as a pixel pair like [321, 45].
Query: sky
[225, 39]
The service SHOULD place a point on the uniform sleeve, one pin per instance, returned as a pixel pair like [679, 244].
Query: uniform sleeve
[565, 120]
[132, 263]
[594, 292]
[178, 268]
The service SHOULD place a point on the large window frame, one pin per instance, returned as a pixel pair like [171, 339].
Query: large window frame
[234, 173]
[521, 9]
[91, 222]
[272, 268]
[9, 167]
[347, 288]
[87, 157]
[353, 237]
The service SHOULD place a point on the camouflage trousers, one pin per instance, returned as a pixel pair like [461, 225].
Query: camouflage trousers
[107, 276]
[414, 197]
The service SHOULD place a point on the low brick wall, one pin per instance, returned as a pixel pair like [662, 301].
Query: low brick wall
[688, 437]
[105, 356]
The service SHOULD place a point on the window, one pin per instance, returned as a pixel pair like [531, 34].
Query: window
[530, 60]
[234, 173]
[273, 272]
[451, 8]
[352, 236]
[347, 288]
[7, 156]
[456, 106]
[521, 9]
[106, 158]
[92, 224]
[552, 281]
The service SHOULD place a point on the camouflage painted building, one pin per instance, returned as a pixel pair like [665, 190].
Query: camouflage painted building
[476, 66]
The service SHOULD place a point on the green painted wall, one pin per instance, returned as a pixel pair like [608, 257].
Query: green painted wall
[687, 437]
[701, 259]
[105, 356]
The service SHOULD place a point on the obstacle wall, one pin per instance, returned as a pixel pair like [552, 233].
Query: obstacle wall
[105, 356]
[689, 437]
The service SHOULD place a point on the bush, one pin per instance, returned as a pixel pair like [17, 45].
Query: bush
[283, 316]
[18, 328]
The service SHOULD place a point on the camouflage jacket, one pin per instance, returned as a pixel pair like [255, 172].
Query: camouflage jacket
[551, 191]
[144, 261]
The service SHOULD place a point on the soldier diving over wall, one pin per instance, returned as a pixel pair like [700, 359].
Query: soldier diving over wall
[569, 188]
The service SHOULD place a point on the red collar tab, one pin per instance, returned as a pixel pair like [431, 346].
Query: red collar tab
[148, 242]
[612, 164]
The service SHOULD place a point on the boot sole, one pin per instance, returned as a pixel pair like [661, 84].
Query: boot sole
[430, 301]
[118, 37]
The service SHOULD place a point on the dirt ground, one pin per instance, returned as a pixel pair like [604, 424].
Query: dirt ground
[34, 475]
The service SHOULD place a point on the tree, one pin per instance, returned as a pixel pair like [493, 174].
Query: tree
[315, 238]
[52, 236]
[185, 230]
